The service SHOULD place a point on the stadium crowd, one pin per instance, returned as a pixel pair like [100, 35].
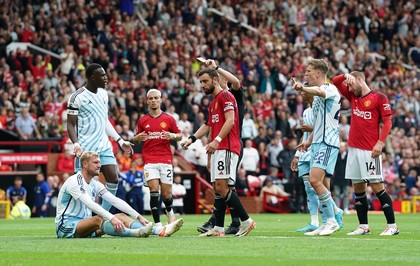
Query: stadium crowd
[144, 44]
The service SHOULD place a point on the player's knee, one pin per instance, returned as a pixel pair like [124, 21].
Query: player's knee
[98, 220]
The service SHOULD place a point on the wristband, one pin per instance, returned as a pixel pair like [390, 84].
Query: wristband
[219, 139]
[120, 141]
[193, 138]
[173, 135]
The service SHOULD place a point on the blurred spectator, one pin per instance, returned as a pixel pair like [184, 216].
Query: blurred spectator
[135, 182]
[274, 149]
[178, 193]
[285, 157]
[263, 166]
[271, 188]
[53, 182]
[250, 158]
[339, 181]
[16, 192]
[249, 130]
[25, 125]
[241, 184]
[65, 162]
[41, 197]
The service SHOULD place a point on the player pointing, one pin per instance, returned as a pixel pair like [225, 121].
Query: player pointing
[324, 139]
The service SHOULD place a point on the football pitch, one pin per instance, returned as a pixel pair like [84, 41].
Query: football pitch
[273, 242]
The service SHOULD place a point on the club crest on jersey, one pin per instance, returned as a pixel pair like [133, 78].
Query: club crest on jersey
[367, 103]
[163, 125]
[146, 174]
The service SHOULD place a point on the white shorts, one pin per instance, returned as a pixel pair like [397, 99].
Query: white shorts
[361, 167]
[161, 171]
[223, 165]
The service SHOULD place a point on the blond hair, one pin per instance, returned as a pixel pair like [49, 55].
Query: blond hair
[87, 155]
[319, 64]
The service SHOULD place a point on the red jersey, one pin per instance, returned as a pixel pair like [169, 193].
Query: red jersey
[156, 149]
[224, 102]
[366, 114]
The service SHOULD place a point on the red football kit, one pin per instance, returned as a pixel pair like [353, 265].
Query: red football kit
[224, 102]
[366, 114]
[156, 149]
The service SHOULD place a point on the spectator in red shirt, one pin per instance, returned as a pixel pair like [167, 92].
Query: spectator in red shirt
[65, 162]
[39, 69]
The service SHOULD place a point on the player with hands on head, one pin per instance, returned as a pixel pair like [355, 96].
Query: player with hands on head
[224, 148]
[366, 141]
[89, 127]
[237, 90]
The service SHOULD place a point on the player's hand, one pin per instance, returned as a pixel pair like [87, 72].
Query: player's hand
[143, 136]
[185, 144]
[212, 147]
[119, 226]
[168, 135]
[142, 220]
[77, 150]
[210, 63]
[350, 79]
[307, 128]
[127, 147]
[294, 163]
[44, 207]
[303, 147]
[296, 85]
[377, 149]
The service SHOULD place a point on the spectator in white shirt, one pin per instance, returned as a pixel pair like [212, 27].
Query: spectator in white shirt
[250, 158]
[249, 130]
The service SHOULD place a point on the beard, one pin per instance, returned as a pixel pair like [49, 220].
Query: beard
[358, 91]
[210, 90]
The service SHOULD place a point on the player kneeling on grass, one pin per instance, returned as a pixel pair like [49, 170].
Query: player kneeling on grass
[76, 201]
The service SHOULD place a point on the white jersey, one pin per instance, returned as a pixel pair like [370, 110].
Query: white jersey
[308, 119]
[69, 203]
[92, 115]
[326, 114]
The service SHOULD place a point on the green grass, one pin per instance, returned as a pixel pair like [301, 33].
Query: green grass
[273, 242]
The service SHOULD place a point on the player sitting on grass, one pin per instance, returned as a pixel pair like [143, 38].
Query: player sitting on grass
[76, 201]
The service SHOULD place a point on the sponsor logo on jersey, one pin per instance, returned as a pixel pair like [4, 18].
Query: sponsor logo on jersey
[215, 118]
[147, 126]
[368, 103]
[163, 125]
[363, 114]
[387, 106]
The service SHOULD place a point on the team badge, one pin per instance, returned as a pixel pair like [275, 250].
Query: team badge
[147, 174]
[163, 125]
[368, 103]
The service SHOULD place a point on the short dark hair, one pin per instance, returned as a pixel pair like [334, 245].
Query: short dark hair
[92, 68]
[211, 72]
